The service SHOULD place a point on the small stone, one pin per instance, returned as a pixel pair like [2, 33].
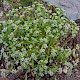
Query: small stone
[76, 70]
[65, 70]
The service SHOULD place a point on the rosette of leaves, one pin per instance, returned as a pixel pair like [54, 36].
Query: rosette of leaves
[30, 39]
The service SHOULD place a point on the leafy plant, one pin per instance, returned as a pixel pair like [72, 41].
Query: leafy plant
[30, 39]
[17, 3]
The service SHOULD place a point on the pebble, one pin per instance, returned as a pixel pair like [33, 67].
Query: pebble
[65, 70]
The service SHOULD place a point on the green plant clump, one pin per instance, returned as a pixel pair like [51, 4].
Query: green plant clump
[17, 3]
[30, 37]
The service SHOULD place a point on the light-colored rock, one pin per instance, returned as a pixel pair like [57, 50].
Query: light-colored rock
[65, 70]
[71, 7]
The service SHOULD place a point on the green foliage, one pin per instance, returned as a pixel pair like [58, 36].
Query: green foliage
[1, 3]
[27, 1]
[17, 3]
[30, 36]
